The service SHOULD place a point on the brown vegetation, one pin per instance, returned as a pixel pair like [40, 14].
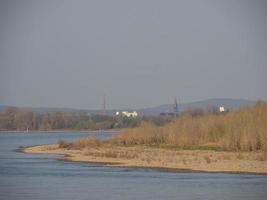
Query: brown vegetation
[244, 129]
[241, 130]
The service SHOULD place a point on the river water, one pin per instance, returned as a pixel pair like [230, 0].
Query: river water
[39, 176]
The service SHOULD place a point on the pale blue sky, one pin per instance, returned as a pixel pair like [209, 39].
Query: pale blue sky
[139, 53]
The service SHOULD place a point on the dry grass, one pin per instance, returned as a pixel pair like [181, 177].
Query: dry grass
[113, 153]
[82, 143]
[241, 130]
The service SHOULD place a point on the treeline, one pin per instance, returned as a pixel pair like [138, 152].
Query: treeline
[12, 119]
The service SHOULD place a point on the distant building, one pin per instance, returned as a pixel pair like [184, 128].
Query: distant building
[221, 109]
[127, 114]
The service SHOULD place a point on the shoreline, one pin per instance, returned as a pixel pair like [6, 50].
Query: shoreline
[188, 161]
[164, 169]
[59, 131]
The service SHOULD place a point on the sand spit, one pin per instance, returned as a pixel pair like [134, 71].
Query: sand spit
[172, 160]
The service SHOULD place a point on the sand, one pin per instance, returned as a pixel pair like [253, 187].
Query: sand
[172, 160]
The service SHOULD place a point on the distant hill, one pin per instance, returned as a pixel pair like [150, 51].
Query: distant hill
[152, 111]
[227, 103]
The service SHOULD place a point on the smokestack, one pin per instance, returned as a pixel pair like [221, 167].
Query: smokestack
[104, 104]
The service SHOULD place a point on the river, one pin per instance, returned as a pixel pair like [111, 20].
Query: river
[42, 177]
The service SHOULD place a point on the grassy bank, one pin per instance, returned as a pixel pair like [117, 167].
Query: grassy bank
[230, 142]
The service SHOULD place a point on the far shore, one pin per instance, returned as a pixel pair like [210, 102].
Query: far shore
[161, 159]
[57, 131]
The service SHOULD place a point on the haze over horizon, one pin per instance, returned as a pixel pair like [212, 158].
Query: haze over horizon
[137, 53]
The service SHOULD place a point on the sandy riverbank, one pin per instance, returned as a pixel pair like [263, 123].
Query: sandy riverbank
[195, 160]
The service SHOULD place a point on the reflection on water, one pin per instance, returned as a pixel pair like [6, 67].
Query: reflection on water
[38, 176]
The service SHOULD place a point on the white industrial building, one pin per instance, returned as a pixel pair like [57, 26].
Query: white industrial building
[128, 114]
[221, 109]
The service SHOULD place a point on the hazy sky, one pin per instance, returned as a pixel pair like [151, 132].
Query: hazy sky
[139, 53]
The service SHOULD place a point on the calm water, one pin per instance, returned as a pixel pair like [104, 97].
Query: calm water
[33, 177]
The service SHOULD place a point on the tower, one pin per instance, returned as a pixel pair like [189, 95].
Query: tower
[175, 107]
[104, 104]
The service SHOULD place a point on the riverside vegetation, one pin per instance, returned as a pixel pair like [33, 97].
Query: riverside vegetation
[234, 141]
[242, 130]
